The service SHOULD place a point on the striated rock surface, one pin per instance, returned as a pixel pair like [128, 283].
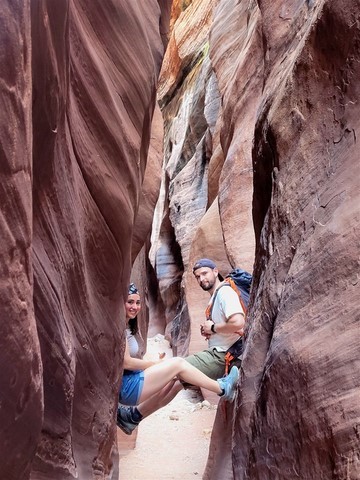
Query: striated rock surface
[150, 186]
[261, 171]
[260, 102]
[21, 397]
[78, 89]
[193, 159]
[298, 411]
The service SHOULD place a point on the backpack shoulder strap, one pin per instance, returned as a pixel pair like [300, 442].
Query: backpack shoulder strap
[232, 284]
[210, 306]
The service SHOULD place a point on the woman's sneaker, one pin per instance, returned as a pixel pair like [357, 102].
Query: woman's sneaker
[124, 419]
[228, 384]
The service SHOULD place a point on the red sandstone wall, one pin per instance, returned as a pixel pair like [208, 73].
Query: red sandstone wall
[78, 87]
[21, 384]
[261, 170]
[260, 101]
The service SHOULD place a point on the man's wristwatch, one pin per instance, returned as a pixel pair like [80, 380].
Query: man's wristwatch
[213, 328]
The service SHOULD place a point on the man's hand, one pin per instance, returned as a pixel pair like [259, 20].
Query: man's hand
[205, 328]
[202, 331]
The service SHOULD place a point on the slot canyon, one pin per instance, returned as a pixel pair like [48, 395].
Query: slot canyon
[136, 137]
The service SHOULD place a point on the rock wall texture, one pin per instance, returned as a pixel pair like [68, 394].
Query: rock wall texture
[78, 92]
[261, 170]
[260, 104]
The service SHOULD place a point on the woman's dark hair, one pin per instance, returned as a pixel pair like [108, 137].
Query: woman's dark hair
[133, 323]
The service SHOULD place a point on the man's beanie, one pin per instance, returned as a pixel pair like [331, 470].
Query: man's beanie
[204, 262]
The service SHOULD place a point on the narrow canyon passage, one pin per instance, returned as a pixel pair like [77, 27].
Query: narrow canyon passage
[138, 137]
[173, 443]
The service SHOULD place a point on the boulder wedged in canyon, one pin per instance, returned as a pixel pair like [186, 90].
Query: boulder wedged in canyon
[79, 91]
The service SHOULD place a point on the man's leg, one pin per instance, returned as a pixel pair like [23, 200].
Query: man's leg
[209, 361]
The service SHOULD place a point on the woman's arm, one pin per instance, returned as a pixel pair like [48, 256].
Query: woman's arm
[131, 363]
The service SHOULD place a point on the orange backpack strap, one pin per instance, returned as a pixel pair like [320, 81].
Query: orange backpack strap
[232, 284]
[209, 307]
[228, 359]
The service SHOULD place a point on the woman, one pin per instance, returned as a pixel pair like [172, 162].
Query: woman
[150, 384]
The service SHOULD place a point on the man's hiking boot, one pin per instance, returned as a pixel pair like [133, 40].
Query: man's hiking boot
[124, 419]
[229, 384]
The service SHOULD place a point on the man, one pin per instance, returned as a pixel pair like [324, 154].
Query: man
[225, 322]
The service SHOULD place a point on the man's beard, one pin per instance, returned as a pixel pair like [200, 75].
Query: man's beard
[208, 286]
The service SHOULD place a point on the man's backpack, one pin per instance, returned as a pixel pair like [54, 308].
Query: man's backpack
[240, 281]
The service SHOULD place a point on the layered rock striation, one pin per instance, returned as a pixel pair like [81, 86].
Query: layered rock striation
[78, 90]
[187, 222]
[260, 103]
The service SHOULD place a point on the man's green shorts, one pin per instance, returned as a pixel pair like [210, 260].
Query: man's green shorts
[211, 362]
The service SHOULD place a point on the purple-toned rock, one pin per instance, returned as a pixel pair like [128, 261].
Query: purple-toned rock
[21, 382]
[79, 92]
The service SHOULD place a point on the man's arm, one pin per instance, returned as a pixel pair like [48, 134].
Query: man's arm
[234, 324]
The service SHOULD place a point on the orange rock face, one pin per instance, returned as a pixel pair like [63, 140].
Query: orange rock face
[78, 90]
[189, 222]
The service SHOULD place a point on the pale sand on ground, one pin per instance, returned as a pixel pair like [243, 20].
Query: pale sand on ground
[172, 443]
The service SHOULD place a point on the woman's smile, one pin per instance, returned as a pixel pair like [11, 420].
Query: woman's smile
[132, 305]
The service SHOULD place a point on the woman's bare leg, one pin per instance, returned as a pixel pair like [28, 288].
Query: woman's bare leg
[160, 399]
[159, 375]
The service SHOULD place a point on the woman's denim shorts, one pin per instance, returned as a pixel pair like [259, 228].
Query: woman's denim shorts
[131, 387]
